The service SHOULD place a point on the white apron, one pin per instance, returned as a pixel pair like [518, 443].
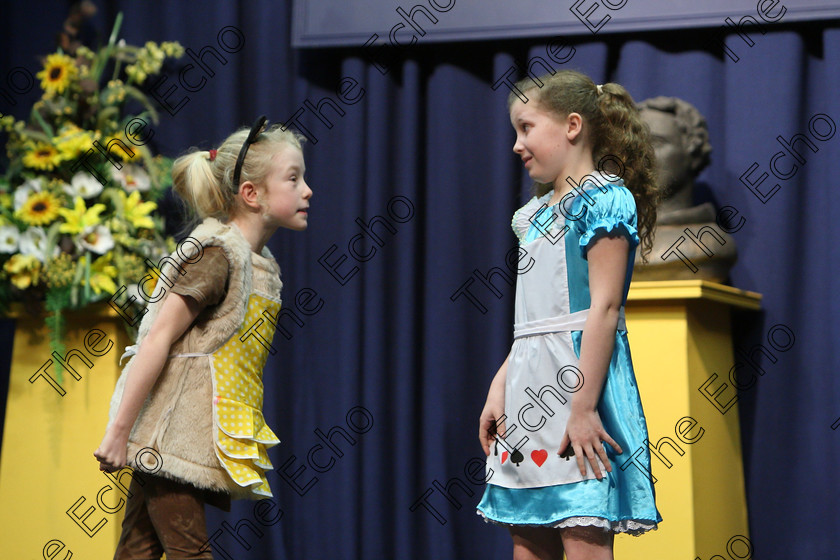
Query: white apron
[543, 372]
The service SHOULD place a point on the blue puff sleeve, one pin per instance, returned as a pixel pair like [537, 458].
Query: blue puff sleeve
[605, 213]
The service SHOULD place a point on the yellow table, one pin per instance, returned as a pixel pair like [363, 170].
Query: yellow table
[680, 335]
[46, 465]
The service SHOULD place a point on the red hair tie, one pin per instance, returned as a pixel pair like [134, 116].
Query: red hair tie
[212, 154]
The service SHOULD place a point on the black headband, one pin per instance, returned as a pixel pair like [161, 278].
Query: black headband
[259, 126]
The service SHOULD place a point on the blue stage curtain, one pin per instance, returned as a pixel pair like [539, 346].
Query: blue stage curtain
[428, 148]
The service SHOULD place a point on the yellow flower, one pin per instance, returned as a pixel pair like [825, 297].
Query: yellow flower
[42, 156]
[40, 209]
[118, 151]
[23, 269]
[132, 266]
[172, 48]
[58, 71]
[80, 217]
[73, 141]
[128, 241]
[60, 271]
[102, 274]
[135, 74]
[114, 93]
[7, 122]
[84, 52]
[136, 211]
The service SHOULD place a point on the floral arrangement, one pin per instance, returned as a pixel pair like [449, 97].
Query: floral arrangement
[76, 223]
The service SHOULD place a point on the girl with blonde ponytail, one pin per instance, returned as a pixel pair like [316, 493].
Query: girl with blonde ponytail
[187, 410]
[577, 470]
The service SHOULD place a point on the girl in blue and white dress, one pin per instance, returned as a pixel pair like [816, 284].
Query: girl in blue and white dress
[563, 427]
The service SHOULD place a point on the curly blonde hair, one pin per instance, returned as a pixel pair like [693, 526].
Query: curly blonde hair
[613, 128]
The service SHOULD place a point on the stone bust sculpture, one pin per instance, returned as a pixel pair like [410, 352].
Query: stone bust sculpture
[681, 141]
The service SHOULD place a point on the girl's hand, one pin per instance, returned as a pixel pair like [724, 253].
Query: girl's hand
[584, 433]
[494, 409]
[112, 453]
[176, 314]
[488, 423]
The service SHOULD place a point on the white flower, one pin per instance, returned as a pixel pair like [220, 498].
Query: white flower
[132, 178]
[22, 192]
[133, 290]
[156, 253]
[83, 184]
[33, 242]
[97, 239]
[9, 237]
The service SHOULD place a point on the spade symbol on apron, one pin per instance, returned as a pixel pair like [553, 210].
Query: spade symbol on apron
[516, 457]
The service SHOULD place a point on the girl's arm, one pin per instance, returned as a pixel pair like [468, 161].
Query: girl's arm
[494, 409]
[175, 316]
[584, 432]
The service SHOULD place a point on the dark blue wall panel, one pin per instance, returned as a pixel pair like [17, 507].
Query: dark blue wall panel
[320, 23]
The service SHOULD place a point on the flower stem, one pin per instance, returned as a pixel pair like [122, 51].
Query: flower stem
[114, 32]
[102, 58]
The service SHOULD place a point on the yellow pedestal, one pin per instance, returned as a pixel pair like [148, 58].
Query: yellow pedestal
[47, 465]
[680, 335]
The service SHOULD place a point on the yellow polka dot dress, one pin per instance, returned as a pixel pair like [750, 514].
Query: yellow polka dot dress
[241, 435]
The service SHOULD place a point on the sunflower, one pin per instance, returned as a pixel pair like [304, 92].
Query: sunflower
[39, 209]
[58, 71]
[42, 156]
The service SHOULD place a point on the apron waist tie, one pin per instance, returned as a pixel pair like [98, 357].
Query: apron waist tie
[163, 423]
[132, 351]
[563, 323]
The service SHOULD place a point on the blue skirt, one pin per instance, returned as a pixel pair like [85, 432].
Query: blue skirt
[624, 501]
[597, 503]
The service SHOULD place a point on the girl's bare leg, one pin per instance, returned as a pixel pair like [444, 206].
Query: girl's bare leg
[536, 543]
[587, 543]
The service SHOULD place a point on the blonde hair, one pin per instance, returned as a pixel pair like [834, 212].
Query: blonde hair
[614, 129]
[207, 186]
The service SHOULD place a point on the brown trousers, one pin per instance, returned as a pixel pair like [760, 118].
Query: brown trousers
[164, 515]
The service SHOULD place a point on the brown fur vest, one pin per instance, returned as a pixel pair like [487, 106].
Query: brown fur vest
[176, 419]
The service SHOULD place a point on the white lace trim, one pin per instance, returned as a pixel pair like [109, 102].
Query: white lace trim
[630, 526]
[624, 526]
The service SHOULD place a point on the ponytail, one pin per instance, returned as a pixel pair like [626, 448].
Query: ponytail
[622, 133]
[196, 183]
[614, 129]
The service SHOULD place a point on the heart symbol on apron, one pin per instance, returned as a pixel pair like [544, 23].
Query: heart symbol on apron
[504, 456]
[539, 456]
